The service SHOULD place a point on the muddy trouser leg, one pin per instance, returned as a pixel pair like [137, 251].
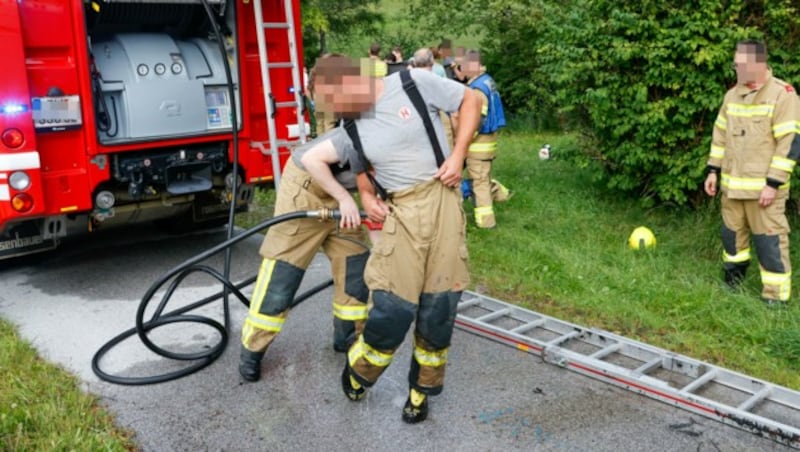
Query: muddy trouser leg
[771, 240]
[389, 320]
[348, 255]
[735, 233]
[435, 322]
[421, 251]
[447, 277]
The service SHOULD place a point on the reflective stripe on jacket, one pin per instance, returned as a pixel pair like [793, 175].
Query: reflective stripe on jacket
[756, 137]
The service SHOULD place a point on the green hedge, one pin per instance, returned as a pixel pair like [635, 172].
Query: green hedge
[641, 81]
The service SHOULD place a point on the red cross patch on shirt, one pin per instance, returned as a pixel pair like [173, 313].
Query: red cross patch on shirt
[404, 113]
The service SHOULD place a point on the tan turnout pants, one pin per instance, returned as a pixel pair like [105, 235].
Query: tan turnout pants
[288, 249]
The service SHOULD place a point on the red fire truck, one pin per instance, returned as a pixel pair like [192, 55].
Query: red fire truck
[115, 111]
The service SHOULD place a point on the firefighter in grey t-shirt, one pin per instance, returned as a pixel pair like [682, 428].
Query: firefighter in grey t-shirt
[418, 269]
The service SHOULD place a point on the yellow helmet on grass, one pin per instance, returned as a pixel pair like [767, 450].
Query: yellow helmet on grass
[642, 238]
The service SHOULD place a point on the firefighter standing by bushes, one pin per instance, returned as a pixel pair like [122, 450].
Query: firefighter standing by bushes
[483, 149]
[755, 145]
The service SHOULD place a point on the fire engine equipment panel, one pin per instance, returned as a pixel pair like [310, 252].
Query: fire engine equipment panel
[149, 85]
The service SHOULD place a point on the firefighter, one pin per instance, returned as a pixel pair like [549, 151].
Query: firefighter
[289, 247]
[418, 269]
[754, 147]
[379, 68]
[483, 149]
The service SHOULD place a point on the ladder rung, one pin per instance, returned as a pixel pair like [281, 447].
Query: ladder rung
[605, 351]
[283, 65]
[705, 378]
[695, 396]
[260, 145]
[493, 315]
[648, 366]
[528, 326]
[274, 25]
[285, 104]
[467, 304]
[765, 392]
[564, 338]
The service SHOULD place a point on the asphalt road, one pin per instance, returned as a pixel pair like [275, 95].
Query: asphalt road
[71, 302]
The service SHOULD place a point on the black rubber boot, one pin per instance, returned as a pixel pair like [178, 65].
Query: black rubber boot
[735, 275]
[250, 364]
[352, 393]
[415, 414]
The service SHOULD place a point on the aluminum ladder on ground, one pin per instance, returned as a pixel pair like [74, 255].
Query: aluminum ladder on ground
[269, 100]
[754, 405]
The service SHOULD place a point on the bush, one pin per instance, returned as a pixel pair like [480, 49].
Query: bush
[641, 81]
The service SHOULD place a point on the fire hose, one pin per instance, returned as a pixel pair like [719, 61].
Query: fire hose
[176, 276]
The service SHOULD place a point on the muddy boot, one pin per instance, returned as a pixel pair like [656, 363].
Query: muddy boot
[250, 364]
[416, 408]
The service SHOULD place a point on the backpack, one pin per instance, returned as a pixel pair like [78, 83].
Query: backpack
[495, 117]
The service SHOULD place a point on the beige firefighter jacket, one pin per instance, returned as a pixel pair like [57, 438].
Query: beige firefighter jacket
[754, 139]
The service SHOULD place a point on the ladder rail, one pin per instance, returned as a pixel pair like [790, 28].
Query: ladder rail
[267, 87]
[271, 106]
[523, 329]
[298, 88]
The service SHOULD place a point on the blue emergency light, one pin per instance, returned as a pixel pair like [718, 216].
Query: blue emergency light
[12, 108]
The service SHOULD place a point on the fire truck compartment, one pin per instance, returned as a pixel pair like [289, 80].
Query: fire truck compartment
[150, 86]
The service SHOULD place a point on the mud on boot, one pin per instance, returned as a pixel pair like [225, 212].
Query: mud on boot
[413, 414]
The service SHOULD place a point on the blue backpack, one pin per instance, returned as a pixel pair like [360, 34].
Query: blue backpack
[495, 117]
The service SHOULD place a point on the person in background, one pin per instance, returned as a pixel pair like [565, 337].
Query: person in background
[483, 149]
[754, 148]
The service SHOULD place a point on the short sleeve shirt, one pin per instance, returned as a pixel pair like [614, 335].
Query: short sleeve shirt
[341, 170]
[393, 135]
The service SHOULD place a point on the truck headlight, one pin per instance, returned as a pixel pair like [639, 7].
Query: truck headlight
[19, 180]
[104, 200]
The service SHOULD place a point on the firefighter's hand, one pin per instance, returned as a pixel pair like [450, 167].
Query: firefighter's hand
[350, 216]
[375, 207]
[450, 172]
[710, 185]
[767, 196]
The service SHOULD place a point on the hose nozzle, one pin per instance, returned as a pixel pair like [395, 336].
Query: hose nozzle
[330, 214]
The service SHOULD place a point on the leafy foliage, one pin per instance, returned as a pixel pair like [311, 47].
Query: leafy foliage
[337, 19]
[640, 80]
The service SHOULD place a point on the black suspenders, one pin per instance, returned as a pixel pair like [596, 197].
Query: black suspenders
[413, 93]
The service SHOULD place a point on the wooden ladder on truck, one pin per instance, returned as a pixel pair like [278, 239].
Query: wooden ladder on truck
[765, 409]
[262, 27]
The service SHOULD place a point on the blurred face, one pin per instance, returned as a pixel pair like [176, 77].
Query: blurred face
[471, 66]
[348, 95]
[748, 67]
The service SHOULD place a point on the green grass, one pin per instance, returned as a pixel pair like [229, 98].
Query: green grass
[560, 248]
[42, 407]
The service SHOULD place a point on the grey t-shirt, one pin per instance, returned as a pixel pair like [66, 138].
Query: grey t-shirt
[341, 171]
[393, 135]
